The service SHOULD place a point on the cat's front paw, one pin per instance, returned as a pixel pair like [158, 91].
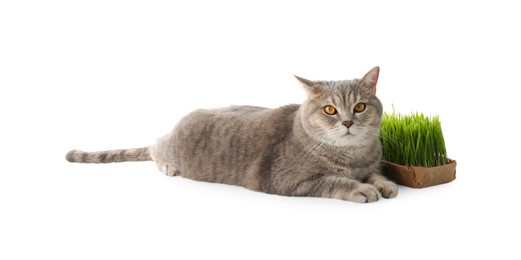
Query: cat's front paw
[388, 189]
[364, 193]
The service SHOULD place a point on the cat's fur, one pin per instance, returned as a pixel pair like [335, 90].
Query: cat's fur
[293, 150]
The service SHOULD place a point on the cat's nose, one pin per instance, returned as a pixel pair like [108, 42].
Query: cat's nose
[347, 123]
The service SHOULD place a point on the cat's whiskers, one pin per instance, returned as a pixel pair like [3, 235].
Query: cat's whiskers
[308, 150]
[311, 152]
[394, 143]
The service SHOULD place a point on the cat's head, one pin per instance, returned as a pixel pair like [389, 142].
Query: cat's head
[342, 113]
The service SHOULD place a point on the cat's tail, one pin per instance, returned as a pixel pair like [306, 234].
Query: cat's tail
[121, 155]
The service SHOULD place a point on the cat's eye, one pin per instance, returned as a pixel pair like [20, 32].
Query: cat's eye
[360, 107]
[330, 110]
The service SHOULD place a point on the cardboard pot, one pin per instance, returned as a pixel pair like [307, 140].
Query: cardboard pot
[419, 177]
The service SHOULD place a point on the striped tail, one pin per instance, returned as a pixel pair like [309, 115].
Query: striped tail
[122, 155]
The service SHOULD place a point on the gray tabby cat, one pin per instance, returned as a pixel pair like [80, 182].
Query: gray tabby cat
[326, 147]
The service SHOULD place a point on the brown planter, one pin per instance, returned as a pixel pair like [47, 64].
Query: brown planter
[420, 177]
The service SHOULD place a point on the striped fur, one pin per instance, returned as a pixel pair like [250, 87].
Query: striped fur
[110, 156]
[293, 150]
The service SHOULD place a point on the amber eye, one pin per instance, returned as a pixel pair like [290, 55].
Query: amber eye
[330, 110]
[360, 107]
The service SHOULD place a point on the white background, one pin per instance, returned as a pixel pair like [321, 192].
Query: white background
[106, 74]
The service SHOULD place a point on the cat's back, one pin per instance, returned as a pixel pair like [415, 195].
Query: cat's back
[237, 124]
[230, 145]
[251, 115]
[231, 112]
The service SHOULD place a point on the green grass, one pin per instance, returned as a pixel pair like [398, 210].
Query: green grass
[413, 140]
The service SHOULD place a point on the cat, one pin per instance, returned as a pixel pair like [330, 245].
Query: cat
[328, 146]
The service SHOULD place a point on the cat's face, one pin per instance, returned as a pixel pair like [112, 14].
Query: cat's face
[343, 113]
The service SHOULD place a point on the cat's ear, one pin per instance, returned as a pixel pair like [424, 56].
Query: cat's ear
[311, 88]
[371, 78]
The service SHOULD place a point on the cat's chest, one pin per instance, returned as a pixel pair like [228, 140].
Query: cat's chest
[341, 170]
[341, 165]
